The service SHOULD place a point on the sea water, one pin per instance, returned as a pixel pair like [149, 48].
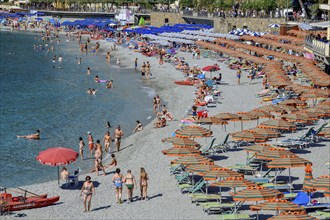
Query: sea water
[37, 93]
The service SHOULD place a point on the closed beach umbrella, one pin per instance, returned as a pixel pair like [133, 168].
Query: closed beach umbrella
[248, 136]
[178, 152]
[308, 176]
[181, 142]
[278, 124]
[193, 132]
[292, 216]
[277, 205]
[193, 160]
[257, 193]
[269, 108]
[57, 156]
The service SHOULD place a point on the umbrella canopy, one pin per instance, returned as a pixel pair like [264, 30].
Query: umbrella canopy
[181, 152]
[181, 142]
[292, 216]
[211, 120]
[248, 136]
[319, 111]
[193, 160]
[257, 148]
[232, 182]
[57, 156]
[193, 132]
[220, 173]
[273, 153]
[288, 161]
[295, 118]
[257, 193]
[278, 124]
[261, 114]
[246, 116]
[320, 183]
[195, 168]
[288, 108]
[269, 133]
[211, 68]
[293, 102]
[277, 205]
[325, 133]
[310, 115]
[228, 116]
[270, 108]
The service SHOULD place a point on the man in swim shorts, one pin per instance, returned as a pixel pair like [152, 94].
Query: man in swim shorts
[117, 137]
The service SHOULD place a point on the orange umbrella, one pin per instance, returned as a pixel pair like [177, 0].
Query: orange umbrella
[181, 142]
[228, 116]
[320, 183]
[257, 148]
[292, 216]
[270, 108]
[233, 182]
[221, 172]
[248, 136]
[308, 177]
[257, 193]
[277, 205]
[273, 153]
[278, 124]
[193, 160]
[193, 132]
[293, 102]
[269, 133]
[295, 118]
[211, 120]
[178, 152]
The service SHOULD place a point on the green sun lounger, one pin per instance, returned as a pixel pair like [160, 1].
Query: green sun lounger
[234, 216]
[197, 198]
[211, 207]
[277, 186]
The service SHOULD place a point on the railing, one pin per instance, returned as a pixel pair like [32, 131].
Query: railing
[317, 46]
[187, 13]
[202, 14]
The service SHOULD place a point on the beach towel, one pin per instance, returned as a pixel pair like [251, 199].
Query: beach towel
[301, 199]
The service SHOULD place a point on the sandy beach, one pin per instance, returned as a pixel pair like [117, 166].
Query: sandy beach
[143, 149]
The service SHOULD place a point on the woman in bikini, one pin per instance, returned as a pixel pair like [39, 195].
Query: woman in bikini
[117, 179]
[130, 183]
[155, 105]
[107, 141]
[81, 148]
[158, 102]
[88, 189]
[143, 184]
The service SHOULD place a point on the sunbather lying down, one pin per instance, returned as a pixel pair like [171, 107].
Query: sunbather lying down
[161, 122]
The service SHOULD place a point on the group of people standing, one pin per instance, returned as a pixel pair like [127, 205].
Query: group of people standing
[119, 180]
[145, 70]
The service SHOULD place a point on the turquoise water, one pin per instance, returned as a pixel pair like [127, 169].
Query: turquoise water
[39, 94]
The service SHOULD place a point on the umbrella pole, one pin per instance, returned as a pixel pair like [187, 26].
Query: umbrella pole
[241, 126]
[58, 175]
[290, 181]
[220, 194]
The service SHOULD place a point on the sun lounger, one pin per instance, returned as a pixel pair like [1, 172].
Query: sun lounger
[198, 187]
[197, 198]
[277, 186]
[184, 178]
[212, 207]
[244, 169]
[223, 146]
[174, 169]
[234, 216]
[316, 207]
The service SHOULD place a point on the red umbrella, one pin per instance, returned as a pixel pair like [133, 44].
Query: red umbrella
[57, 156]
[211, 68]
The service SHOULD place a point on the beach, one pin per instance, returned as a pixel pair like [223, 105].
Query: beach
[143, 149]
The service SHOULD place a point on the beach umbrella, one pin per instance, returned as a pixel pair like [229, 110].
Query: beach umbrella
[248, 136]
[277, 205]
[181, 142]
[292, 216]
[325, 133]
[211, 68]
[193, 132]
[201, 168]
[211, 120]
[245, 116]
[278, 124]
[233, 182]
[319, 111]
[295, 118]
[288, 162]
[319, 183]
[220, 172]
[57, 156]
[193, 160]
[270, 108]
[307, 179]
[257, 193]
[310, 115]
[228, 116]
[257, 148]
[180, 152]
[293, 102]
[288, 108]
[269, 133]
[273, 153]
[260, 114]
[324, 107]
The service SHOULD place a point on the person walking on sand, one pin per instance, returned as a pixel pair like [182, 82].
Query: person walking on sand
[90, 142]
[138, 127]
[147, 70]
[239, 75]
[88, 189]
[118, 134]
[130, 182]
[136, 63]
[144, 184]
[107, 142]
[98, 159]
[117, 180]
[31, 136]
[81, 148]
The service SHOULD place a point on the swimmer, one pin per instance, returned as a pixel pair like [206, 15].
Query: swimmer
[60, 59]
[89, 91]
[118, 61]
[79, 60]
[31, 136]
[110, 84]
[54, 59]
[108, 125]
[89, 71]
[96, 78]
[94, 91]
